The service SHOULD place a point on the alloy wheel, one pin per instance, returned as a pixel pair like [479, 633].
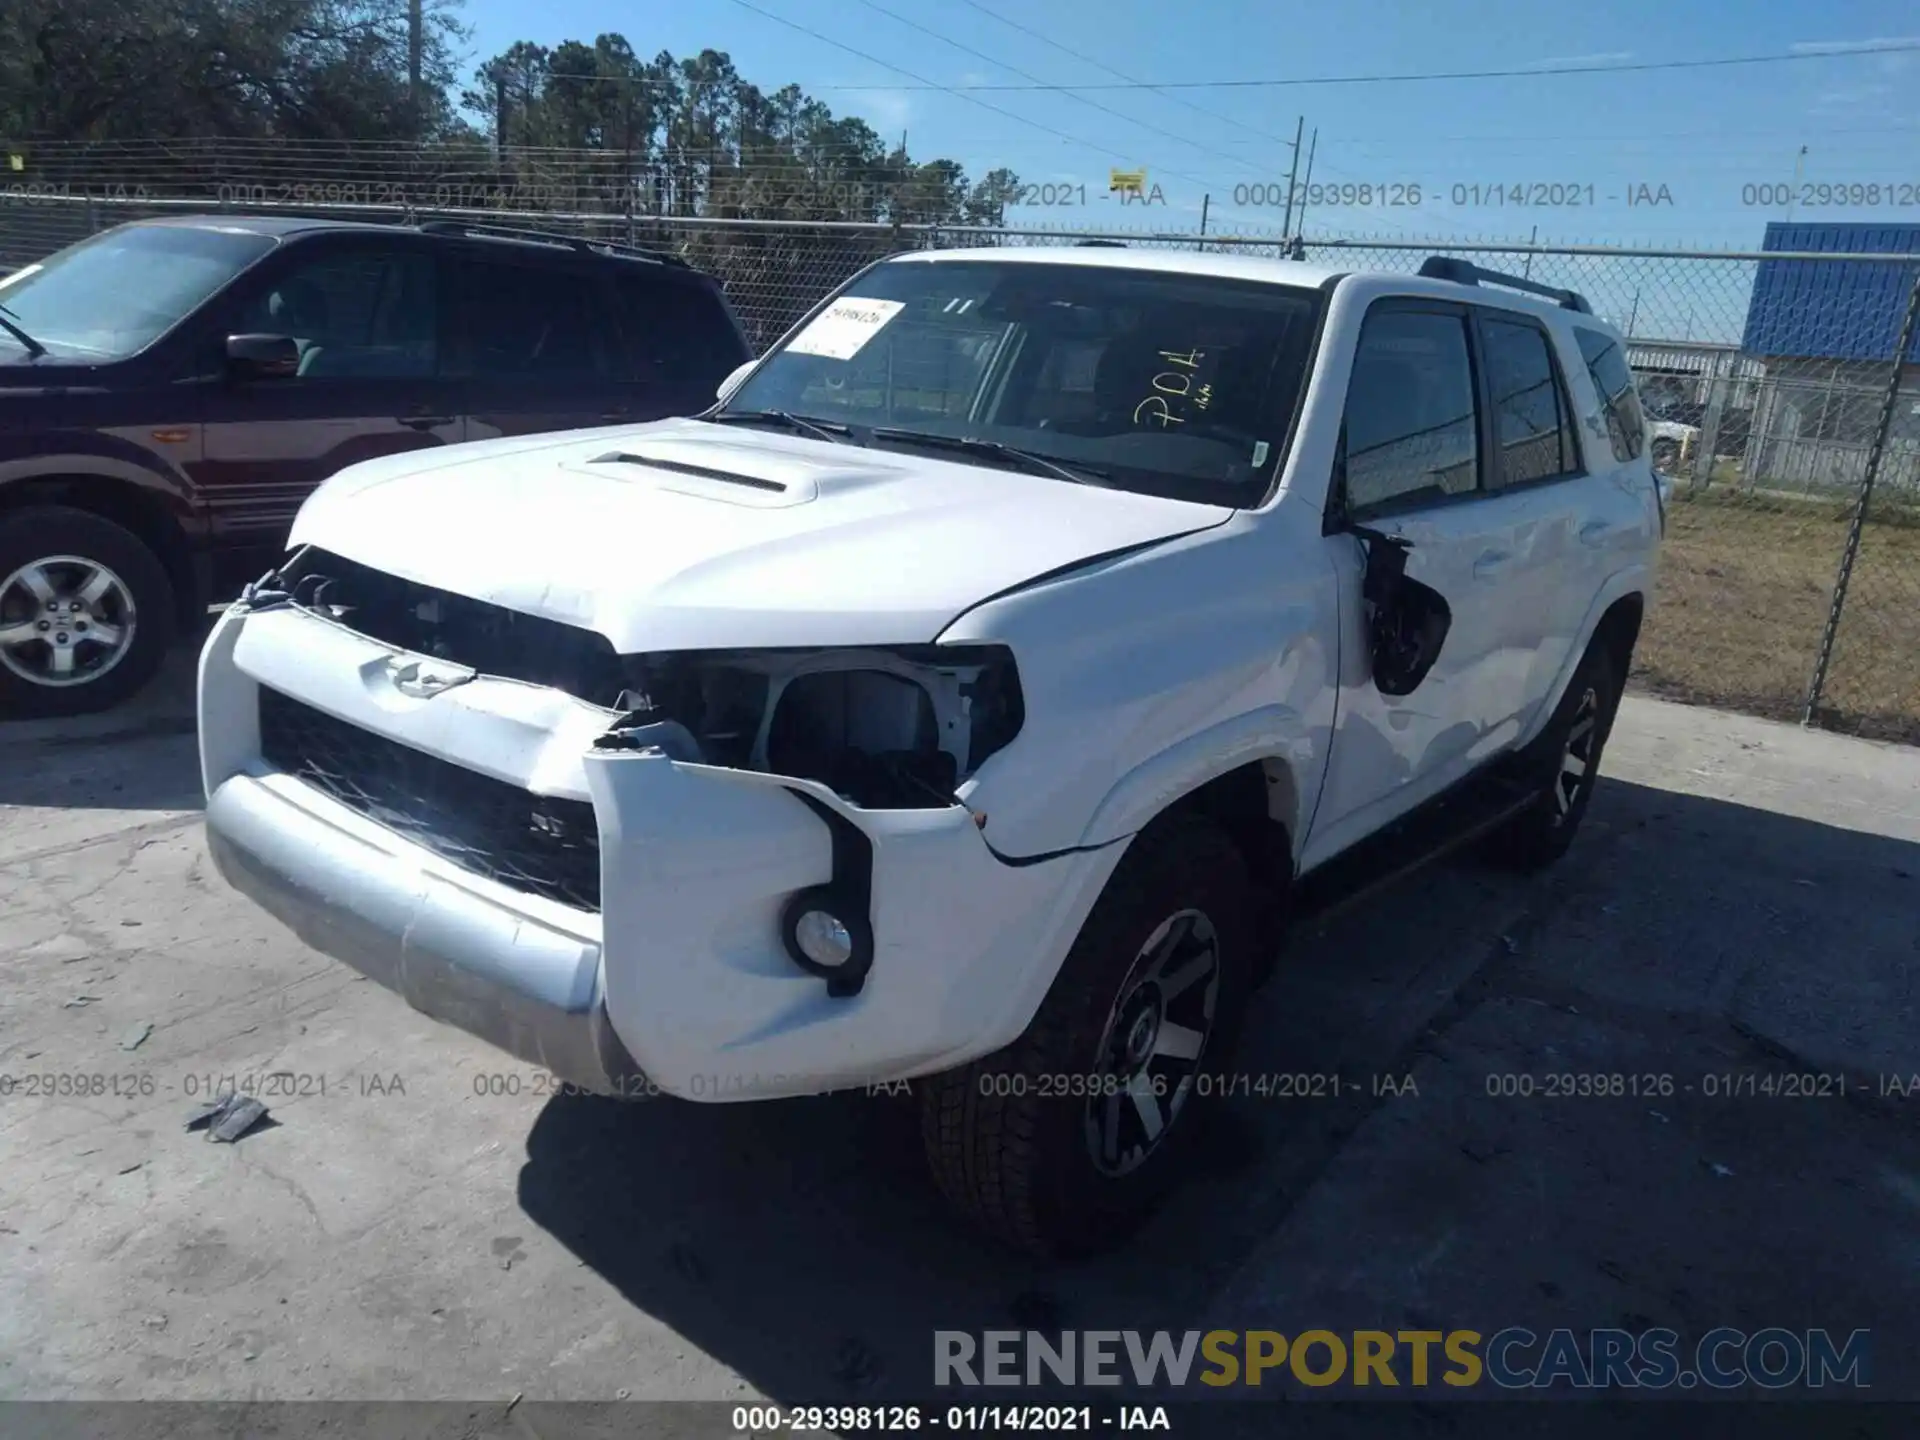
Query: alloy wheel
[64, 620]
[1576, 758]
[1155, 1039]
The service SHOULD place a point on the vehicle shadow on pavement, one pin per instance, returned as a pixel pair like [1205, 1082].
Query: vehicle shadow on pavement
[801, 1244]
[141, 756]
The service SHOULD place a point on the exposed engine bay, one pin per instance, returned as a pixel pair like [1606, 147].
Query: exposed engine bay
[887, 728]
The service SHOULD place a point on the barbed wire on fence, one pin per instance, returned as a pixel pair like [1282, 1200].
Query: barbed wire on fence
[1766, 376]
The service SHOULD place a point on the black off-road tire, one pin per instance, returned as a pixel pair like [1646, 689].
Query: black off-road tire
[1010, 1145]
[57, 530]
[1577, 734]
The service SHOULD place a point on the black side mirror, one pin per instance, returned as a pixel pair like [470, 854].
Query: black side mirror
[262, 357]
[1407, 622]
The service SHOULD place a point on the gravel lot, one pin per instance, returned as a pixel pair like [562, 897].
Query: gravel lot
[1743, 901]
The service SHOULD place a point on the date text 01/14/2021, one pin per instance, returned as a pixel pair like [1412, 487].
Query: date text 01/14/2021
[195, 1085]
[752, 1420]
[1296, 1085]
[1408, 194]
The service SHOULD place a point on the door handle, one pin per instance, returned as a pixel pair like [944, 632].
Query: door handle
[1594, 531]
[1491, 562]
[425, 422]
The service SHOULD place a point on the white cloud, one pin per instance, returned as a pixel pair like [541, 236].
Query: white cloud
[1608, 57]
[1850, 47]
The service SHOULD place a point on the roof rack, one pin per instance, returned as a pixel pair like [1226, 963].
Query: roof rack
[1100, 244]
[1465, 272]
[550, 237]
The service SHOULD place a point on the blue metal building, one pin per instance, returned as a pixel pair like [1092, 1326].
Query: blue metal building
[1832, 310]
[1826, 330]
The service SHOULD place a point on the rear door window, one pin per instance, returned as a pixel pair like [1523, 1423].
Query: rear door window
[528, 321]
[1533, 433]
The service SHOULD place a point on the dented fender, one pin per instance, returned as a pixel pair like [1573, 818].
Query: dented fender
[1145, 677]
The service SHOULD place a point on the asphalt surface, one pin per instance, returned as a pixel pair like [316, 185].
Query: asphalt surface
[416, 1222]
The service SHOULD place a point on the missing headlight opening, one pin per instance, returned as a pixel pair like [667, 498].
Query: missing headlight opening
[886, 728]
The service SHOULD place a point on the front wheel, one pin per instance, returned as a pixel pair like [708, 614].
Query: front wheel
[86, 613]
[1065, 1141]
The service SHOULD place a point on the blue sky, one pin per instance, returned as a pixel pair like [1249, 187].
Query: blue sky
[1704, 134]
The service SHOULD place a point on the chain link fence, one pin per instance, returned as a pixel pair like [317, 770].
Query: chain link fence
[1790, 581]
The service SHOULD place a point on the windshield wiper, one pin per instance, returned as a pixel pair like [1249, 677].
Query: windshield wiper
[993, 450]
[831, 430]
[33, 347]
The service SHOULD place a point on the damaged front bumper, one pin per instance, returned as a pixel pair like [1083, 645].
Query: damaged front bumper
[680, 983]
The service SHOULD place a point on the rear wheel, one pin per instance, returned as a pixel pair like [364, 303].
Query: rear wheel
[86, 613]
[1065, 1141]
[1566, 760]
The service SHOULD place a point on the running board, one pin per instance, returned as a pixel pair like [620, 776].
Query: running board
[1443, 825]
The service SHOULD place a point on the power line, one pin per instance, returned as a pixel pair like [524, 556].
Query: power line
[1077, 99]
[1797, 132]
[1521, 73]
[925, 84]
[1178, 100]
[1120, 75]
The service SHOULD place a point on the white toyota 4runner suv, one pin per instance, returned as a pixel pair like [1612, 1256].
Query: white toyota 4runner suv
[967, 698]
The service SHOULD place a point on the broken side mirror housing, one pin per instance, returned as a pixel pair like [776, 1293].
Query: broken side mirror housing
[732, 382]
[1407, 621]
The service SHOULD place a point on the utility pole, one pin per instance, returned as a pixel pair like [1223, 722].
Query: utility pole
[1799, 165]
[416, 43]
[1300, 221]
[1526, 272]
[626, 169]
[1205, 201]
[1299, 125]
[1634, 314]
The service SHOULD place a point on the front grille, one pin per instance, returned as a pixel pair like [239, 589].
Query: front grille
[534, 843]
[475, 633]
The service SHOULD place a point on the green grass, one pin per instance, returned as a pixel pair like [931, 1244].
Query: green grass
[1744, 590]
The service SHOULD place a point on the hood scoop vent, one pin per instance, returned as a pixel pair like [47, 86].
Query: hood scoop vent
[699, 472]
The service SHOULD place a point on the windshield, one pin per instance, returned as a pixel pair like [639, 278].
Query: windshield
[1166, 384]
[114, 295]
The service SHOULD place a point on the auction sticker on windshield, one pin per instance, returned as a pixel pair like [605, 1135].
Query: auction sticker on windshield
[840, 330]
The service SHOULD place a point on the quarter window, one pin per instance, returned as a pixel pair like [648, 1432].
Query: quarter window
[1613, 379]
[1529, 405]
[1411, 431]
[676, 330]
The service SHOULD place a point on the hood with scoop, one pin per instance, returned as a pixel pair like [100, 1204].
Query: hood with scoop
[684, 535]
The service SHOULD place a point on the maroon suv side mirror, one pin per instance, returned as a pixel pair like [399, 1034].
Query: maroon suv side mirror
[262, 357]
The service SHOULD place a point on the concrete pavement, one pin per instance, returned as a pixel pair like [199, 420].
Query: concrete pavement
[421, 1223]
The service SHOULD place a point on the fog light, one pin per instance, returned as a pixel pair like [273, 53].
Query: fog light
[823, 938]
[826, 935]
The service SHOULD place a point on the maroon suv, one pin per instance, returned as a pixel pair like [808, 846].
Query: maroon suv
[170, 391]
